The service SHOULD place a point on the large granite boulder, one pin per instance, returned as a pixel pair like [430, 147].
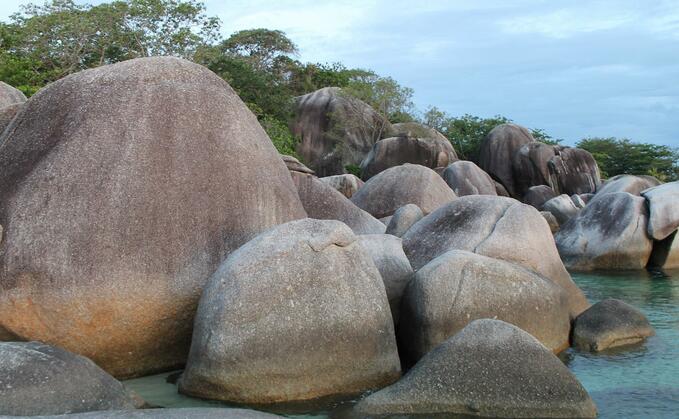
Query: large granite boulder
[608, 324]
[294, 165]
[10, 95]
[663, 205]
[122, 188]
[395, 151]
[497, 227]
[609, 233]
[7, 114]
[489, 369]
[38, 379]
[346, 184]
[536, 196]
[562, 207]
[417, 130]
[299, 312]
[529, 165]
[665, 254]
[387, 253]
[335, 130]
[323, 202]
[459, 287]
[497, 152]
[466, 178]
[404, 218]
[551, 220]
[175, 413]
[573, 171]
[625, 183]
[397, 186]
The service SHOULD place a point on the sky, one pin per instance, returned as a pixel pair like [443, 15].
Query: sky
[576, 69]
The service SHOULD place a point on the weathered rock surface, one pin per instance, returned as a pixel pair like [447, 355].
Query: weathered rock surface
[404, 218]
[297, 313]
[37, 379]
[397, 186]
[387, 253]
[663, 204]
[490, 369]
[626, 183]
[578, 201]
[573, 171]
[466, 178]
[175, 413]
[7, 114]
[562, 207]
[551, 220]
[529, 166]
[395, 151]
[10, 95]
[497, 151]
[294, 165]
[500, 190]
[417, 130]
[336, 130]
[323, 202]
[609, 233]
[610, 323]
[459, 287]
[538, 195]
[346, 184]
[133, 173]
[665, 253]
[497, 227]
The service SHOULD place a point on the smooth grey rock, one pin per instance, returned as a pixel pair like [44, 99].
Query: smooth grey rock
[10, 95]
[175, 413]
[386, 220]
[562, 207]
[529, 166]
[323, 202]
[625, 183]
[500, 190]
[294, 165]
[417, 130]
[387, 253]
[490, 369]
[608, 324]
[497, 152]
[551, 220]
[346, 184]
[299, 312]
[466, 178]
[663, 204]
[142, 172]
[665, 253]
[459, 287]
[497, 227]
[395, 151]
[335, 130]
[538, 195]
[38, 379]
[609, 233]
[573, 171]
[404, 218]
[397, 186]
[578, 201]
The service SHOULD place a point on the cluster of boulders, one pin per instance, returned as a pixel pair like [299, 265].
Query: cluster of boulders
[140, 235]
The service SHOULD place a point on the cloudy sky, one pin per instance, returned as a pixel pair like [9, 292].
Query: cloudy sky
[573, 68]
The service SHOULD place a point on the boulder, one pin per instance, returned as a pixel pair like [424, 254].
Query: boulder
[403, 219]
[500, 190]
[143, 173]
[538, 195]
[578, 201]
[551, 220]
[417, 130]
[38, 379]
[665, 254]
[608, 324]
[497, 152]
[10, 95]
[386, 220]
[586, 197]
[395, 151]
[626, 183]
[294, 165]
[346, 184]
[466, 178]
[573, 171]
[609, 233]
[397, 186]
[387, 253]
[335, 130]
[7, 114]
[663, 205]
[175, 413]
[323, 202]
[497, 227]
[529, 166]
[459, 287]
[562, 207]
[299, 312]
[489, 369]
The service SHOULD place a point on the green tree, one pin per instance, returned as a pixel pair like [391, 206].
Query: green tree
[390, 99]
[264, 49]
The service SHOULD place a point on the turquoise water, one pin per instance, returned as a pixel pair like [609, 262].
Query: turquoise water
[639, 381]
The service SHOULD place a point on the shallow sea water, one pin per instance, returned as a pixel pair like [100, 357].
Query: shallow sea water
[639, 381]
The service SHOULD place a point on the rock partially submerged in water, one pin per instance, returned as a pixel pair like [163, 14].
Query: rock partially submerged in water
[490, 369]
[298, 313]
[459, 287]
[38, 379]
[175, 413]
[608, 324]
[403, 219]
[466, 178]
[663, 204]
[609, 233]
[397, 186]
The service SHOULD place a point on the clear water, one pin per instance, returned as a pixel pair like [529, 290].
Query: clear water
[639, 381]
